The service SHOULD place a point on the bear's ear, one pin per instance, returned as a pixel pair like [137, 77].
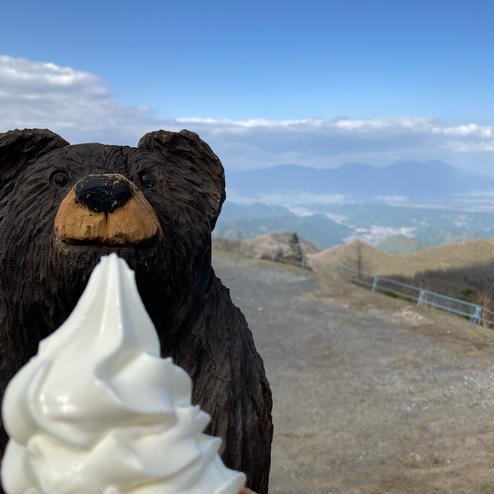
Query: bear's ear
[187, 150]
[17, 147]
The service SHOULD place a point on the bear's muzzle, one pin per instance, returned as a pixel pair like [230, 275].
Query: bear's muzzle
[106, 209]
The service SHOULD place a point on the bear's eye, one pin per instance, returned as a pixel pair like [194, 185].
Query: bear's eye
[147, 178]
[59, 178]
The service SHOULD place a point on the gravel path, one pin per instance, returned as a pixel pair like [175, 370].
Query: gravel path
[370, 395]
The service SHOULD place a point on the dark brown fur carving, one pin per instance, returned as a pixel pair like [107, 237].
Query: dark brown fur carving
[44, 267]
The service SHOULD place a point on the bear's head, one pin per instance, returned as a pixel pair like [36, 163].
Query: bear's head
[64, 206]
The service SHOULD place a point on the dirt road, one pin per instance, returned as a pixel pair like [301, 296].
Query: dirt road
[371, 396]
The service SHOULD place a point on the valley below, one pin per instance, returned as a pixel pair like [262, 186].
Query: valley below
[398, 229]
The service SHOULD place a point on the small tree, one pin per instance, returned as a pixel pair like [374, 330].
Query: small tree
[296, 249]
[359, 258]
[356, 258]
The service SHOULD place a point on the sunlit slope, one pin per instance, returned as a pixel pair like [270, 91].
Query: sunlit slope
[400, 244]
[358, 254]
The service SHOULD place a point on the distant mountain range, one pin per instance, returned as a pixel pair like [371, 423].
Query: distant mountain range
[431, 179]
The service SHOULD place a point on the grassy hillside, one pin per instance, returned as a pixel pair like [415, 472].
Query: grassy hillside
[401, 245]
[372, 260]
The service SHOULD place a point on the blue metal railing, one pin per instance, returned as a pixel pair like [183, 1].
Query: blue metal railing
[477, 313]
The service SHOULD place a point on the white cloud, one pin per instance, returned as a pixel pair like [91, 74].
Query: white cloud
[81, 108]
[75, 104]
[468, 130]
[376, 234]
[290, 199]
[471, 147]
[330, 143]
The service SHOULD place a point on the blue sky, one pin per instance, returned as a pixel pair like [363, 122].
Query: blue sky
[372, 65]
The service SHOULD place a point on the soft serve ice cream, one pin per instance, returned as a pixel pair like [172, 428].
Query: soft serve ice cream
[97, 411]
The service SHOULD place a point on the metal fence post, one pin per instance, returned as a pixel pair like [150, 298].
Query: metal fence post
[476, 315]
[302, 264]
[374, 284]
[421, 296]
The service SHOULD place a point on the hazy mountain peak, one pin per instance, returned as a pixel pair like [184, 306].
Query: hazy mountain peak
[431, 179]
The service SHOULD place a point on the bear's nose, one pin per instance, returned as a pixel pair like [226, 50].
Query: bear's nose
[103, 193]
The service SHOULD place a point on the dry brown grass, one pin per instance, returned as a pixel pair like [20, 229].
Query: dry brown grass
[375, 261]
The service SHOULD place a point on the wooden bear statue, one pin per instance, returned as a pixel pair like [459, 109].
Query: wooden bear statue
[64, 206]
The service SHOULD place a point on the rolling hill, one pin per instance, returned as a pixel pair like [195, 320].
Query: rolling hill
[375, 261]
[400, 244]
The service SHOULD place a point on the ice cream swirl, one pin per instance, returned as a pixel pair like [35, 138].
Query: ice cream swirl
[97, 410]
